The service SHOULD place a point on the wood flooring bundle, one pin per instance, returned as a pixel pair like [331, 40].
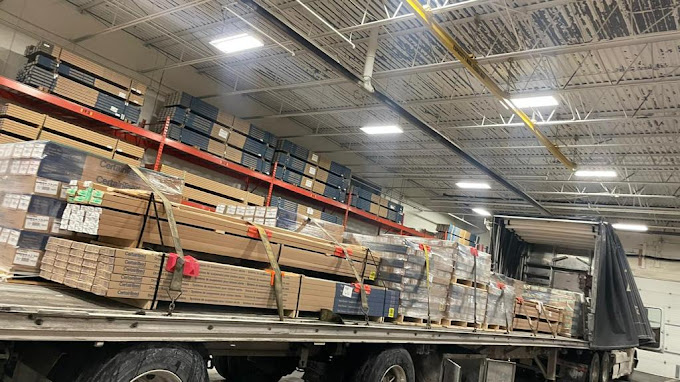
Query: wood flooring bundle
[131, 273]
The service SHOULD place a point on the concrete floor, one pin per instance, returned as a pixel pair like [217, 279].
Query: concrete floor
[638, 377]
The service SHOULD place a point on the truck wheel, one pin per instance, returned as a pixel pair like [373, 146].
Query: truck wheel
[594, 368]
[143, 363]
[391, 365]
[605, 368]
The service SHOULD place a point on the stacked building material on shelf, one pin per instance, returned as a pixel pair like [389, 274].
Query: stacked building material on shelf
[196, 123]
[371, 200]
[289, 220]
[119, 217]
[289, 205]
[453, 233]
[345, 298]
[82, 81]
[131, 273]
[19, 122]
[570, 305]
[211, 193]
[35, 176]
[300, 167]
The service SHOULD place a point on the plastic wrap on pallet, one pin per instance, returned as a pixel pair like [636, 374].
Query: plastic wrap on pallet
[500, 306]
[571, 304]
[470, 267]
[461, 302]
[63, 163]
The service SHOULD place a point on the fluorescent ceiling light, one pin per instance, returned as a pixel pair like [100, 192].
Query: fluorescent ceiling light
[474, 185]
[237, 43]
[595, 173]
[540, 101]
[630, 227]
[388, 129]
[481, 211]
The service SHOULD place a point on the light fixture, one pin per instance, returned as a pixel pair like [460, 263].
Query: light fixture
[595, 173]
[237, 43]
[481, 211]
[630, 227]
[474, 185]
[529, 102]
[386, 129]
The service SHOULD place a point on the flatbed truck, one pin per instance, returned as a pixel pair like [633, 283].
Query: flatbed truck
[54, 333]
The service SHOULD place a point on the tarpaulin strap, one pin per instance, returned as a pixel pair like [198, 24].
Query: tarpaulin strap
[507, 322]
[426, 248]
[303, 225]
[346, 256]
[522, 308]
[176, 280]
[278, 279]
[272, 273]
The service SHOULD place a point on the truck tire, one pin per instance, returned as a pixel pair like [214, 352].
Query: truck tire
[594, 369]
[142, 363]
[605, 367]
[394, 365]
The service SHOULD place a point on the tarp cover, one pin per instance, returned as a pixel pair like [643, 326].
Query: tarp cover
[620, 317]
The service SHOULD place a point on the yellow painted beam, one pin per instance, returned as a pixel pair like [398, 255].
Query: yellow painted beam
[469, 61]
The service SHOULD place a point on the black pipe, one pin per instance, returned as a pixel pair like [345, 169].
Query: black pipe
[392, 105]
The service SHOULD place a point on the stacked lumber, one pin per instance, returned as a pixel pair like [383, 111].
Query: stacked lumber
[372, 200]
[302, 209]
[34, 181]
[212, 193]
[303, 168]
[197, 123]
[536, 317]
[570, 304]
[71, 76]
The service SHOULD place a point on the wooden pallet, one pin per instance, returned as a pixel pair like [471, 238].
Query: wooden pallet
[414, 321]
[461, 324]
[469, 283]
[496, 328]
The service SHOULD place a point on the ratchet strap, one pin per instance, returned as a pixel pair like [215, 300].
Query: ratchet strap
[176, 281]
[346, 256]
[426, 249]
[475, 254]
[277, 278]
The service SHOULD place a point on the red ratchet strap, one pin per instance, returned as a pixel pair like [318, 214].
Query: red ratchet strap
[340, 251]
[191, 266]
[500, 285]
[474, 252]
[255, 234]
[272, 273]
[357, 288]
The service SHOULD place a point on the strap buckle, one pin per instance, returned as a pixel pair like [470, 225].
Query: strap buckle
[191, 266]
[254, 233]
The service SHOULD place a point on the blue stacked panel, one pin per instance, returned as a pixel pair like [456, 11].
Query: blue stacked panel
[132, 112]
[286, 160]
[110, 104]
[195, 139]
[254, 147]
[337, 181]
[174, 132]
[261, 135]
[339, 169]
[392, 215]
[45, 62]
[284, 204]
[198, 123]
[265, 167]
[391, 303]
[180, 99]
[334, 193]
[331, 218]
[36, 76]
[269, 154]
[203, 108]
[362, 204]
[289, 176]
[362, 193]
[76, 75]
[176, 114]
[293, 149]
[348, 301]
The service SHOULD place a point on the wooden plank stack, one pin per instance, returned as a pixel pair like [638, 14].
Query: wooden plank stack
[371, 200]
[71, 76]
[303, 209]
[199, 124]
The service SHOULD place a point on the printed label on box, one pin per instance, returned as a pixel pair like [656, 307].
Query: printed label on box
[371, 276]
[24, 202]
[23, 167]
[347, 291]
[46, 186]
[122, 95]
[3, 166]
[4, 235]
[315, 158]
[312, 171]
[11, 201]
[223, 133]
[13, 238]
[220, 208]
[310, 211]
[37, 222]
[26, 257]
[309, 182]
[14, 168]
[390, 313]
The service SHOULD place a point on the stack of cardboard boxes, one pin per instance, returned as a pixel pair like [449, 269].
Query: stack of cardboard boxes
[371, 200]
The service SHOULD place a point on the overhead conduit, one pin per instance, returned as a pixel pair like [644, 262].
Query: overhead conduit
[415, 121]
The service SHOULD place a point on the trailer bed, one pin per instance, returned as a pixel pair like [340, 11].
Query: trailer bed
[47, 313]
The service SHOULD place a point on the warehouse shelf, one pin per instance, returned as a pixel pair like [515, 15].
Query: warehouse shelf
[84, 116]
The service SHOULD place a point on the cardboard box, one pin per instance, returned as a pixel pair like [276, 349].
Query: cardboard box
[310, 170]
[307, 183]
[382, 211]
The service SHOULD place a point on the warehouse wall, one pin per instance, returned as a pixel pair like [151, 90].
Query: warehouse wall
[658, 246]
